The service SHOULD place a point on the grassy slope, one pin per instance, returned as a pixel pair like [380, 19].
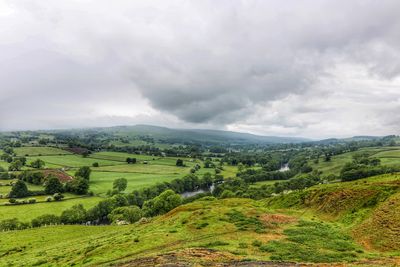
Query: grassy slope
[367, 208]
[35, 151]
[230, 225]
[387, 155]
[353, 221]
[30, 211]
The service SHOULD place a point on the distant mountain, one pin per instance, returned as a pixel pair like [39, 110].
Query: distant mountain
[213, 137]
[349, 139]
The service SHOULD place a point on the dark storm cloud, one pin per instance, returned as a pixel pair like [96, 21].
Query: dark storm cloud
[277, 67]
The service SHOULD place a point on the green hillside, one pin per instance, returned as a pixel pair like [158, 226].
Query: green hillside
[325, 224]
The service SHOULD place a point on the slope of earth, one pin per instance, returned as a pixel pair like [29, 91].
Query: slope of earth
[208, 232]
[388, 155]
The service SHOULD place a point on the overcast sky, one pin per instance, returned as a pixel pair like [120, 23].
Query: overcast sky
[292, 68]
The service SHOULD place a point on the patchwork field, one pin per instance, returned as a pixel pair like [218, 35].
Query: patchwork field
[387, 155]
[30, 211]
[37, 151]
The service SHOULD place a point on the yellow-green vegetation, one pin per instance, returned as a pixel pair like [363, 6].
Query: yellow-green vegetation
[27, 212]
[241, 228]
[71, 161]
[388, 155]
[101, 182]
[39, 150]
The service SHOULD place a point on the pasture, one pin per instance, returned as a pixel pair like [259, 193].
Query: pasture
[147, 171]
[388, 156]
[38, 151]
[27, 212]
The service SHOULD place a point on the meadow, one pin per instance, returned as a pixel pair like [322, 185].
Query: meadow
[234, 230]
[388, 155]
[147, 171]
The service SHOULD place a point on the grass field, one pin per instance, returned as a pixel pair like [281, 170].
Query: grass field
[387, 155]
[72, 161]
[101, 182]
[28, 212]
[112, 166]
[234, 230]
[36, 151]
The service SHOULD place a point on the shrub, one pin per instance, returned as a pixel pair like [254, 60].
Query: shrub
[12, 200]
[19, 189]
[58, 197]
[12, 224]
[32, 200]
[49, 199]
[47, 219]
[129, 214]
[83, 172]
[73, 215]
[53, 185]
[95, 164]
[257, 243]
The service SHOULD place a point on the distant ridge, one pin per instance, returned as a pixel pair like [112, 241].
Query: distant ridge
[198, 135]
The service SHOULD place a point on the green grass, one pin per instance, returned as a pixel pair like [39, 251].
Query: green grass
[387, 155]
[71, 161]
[30, 211]
[202, 224]
[260, 184]
[101, 182]
[35, 151]
[6, 189]
[313, 242]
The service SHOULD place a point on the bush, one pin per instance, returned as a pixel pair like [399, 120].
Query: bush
[12, 200]
[47, 219]
[95, 164]
[83, 172]
[163, 203]
[75, 214]
[32, 200]
[129, 214]
[78, 186]
[19, 189]
[53, 185]
[49, 199]
[58, 197]
[257, 243]
[12, 224]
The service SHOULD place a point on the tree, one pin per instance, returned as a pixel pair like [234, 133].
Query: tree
[76, 214]
[163, 203]
[83, 172]
[46, 219]
[179, 163]
[120, 184]
[19, 189]
[16, 165]
[129, 214]
[131, 160]
[38, 164]
[58, 196]
[78, 186]
[53, 185]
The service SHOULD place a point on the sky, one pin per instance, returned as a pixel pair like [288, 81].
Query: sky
[316, 69]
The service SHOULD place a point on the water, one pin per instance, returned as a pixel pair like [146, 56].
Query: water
[284, 167]
[193, 193]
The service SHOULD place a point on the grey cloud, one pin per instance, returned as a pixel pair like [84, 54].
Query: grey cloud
[214, 63]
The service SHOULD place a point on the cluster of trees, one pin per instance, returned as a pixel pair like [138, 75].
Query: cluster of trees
[52, 185]
[188, 183]
[113, 209]
[252, 175]
[364, 166]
